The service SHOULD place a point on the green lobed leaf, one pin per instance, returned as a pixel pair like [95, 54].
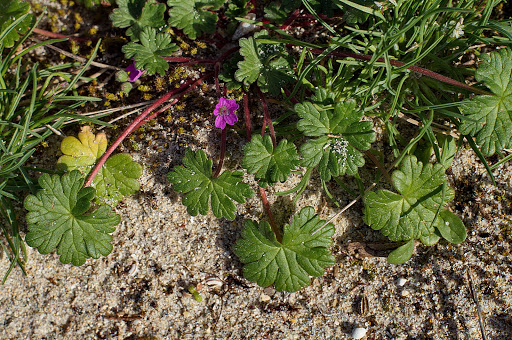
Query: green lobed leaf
[489, 118]
[196, 180]
[194, 16]
[269, 165]
[341, 136]
[137, 14]
[401, 254]
[116, 179]
[56, 219]
[287, 265]
[265, 63]
[149, 55]
[10, 11]
[413, 212]
[452, 229]
[279, 11]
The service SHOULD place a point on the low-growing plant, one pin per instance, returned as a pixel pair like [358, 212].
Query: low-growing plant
[35, 102]
[338, 94]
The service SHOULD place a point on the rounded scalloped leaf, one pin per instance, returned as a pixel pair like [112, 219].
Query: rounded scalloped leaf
[304, 251]
[57, 218]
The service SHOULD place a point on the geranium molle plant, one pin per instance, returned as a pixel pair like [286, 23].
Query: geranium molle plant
[225, 112]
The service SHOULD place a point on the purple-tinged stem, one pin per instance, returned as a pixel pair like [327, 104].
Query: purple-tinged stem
[187, 86]
[222, 152]
[247, 117]
[217, 85]
[414, 68]
[273, 224]
[267, 118]
[59, 36]
[374, 159]
[154, 114]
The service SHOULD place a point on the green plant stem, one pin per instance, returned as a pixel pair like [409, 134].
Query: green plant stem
[222, 152]
[414, 68]
[187, 86]
[267, 119]
[266, 206]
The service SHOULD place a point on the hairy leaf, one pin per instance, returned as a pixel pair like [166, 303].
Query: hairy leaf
[116, 179]
[137, 14]
[194, 16]
[57, 219]
[414, 211]
[197, 181]
[340, 134]
[489, 118]
[287, 265]
[269, 165]
[265, 63]
[10, 11]
[149, 55]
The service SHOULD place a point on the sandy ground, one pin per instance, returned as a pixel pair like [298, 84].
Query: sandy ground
[139, 291]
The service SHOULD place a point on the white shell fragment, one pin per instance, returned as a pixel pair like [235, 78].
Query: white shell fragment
[358, 333]
[401, 281]
[214, 282]
[244, 27]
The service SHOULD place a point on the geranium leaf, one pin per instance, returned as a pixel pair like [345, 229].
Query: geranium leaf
[304, 251]
[416, 209]
[57, 219]
[194, 16]
[10, 11]
[279, 11]
[265, 63]
[401, 254]
[341, 136]
[452, 229]
[116, 179]
[196, 180]
[269, 165]
[149, 55]
[489, 118]
[137, 14]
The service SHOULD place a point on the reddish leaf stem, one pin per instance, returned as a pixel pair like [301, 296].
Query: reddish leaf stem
[291, 19]
[374, 159]
[247, 117]
[267, 118]
[266, 206]
[293, 100]
[222, 152]
[414, 68]
[187, 86]
[59, 36]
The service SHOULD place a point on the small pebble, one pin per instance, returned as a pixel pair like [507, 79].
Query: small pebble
[269, 291]
[358, 333]
[264, 297]
[402, 281]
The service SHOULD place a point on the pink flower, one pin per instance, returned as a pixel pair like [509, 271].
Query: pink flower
[133, 72]
[225, 112]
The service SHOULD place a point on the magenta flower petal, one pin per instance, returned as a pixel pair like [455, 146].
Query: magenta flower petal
[225, 112]
[133, 72]
[231, 119]
[220, 122]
